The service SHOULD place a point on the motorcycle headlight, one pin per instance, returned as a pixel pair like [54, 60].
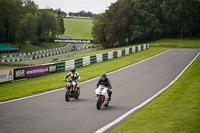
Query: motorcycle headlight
[100, 90]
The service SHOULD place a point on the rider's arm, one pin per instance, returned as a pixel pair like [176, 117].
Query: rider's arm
[67, 76]
[109, 84]
[98, 84]
[78, 77]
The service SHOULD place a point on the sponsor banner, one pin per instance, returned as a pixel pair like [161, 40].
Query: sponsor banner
[35, 71]
[73, 41]
[6, 75]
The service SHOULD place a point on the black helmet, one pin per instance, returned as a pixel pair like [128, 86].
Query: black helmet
[73, 70]
[103, 76]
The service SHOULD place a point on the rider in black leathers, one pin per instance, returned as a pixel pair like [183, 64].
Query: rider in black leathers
[106, 82]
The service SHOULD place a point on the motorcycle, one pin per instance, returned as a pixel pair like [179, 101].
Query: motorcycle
[101, 95]
[72, 90]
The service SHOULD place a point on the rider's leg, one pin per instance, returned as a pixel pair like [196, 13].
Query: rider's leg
[77, 85]
[107, 96]
[110, 94]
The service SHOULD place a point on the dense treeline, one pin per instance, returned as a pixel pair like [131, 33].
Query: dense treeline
[81, 14]
[128, 21]
[22, 21]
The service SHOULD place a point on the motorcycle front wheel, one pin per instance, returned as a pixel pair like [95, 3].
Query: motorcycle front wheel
[99, 103]
[77, 94]
[67, 97]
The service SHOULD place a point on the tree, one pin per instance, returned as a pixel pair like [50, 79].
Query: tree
[113, 25]
[49, 24]
[98, 30]
[26, 28]
[128, 21]
[81, 14]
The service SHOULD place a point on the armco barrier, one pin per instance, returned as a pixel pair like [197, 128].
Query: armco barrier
[115, 54]
[105, 57]
[123, 52]
[142, 47]
[35, 71]
[136, 49]
[86, 61]
[119, 53]
[93, 59]
[78, 63]
[133, 49]
[147, 46]
[139, 48]
[126, 51]
[69, 64]
[110, 55]
[99, 58]
[130, 50]
[60, 67]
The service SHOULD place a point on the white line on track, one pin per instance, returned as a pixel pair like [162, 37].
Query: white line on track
[81, 82]
[103, 129]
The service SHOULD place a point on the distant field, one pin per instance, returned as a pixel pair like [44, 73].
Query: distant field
[78, 28]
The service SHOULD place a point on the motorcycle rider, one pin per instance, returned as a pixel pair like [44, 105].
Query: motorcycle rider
[74, 76]
[106, 82]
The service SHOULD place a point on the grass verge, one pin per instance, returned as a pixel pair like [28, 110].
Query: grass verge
[176, 111]
[6, 67]
[177, 43]
[53, 81]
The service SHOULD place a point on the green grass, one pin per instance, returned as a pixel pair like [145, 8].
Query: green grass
[6, 67]
[31, 48]
[177, 43]
[88, 45]
[78, 28]
[53, 81]
[176, 111]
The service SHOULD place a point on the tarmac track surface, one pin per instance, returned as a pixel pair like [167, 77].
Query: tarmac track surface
[50, 113]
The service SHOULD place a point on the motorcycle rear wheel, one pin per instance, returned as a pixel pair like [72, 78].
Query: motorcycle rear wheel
[106, 105]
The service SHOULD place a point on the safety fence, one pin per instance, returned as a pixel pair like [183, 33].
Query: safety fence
[35, 71]
[36, 54]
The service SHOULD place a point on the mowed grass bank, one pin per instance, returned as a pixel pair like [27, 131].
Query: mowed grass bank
[177, 43]
[31, 48]
[78, 28]
[176, 111]
[54, 81]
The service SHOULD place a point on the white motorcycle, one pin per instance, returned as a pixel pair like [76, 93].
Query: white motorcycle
[101, 95]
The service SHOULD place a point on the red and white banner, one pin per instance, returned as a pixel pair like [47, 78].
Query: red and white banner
[6, 75]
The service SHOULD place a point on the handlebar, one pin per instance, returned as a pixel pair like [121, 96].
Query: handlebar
[64, 80]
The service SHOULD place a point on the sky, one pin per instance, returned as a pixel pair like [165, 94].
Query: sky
[94, 6]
